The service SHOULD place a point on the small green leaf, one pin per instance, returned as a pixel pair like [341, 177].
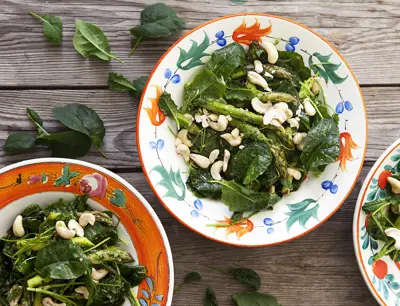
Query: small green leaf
[139, 84]
[118, 198]
[254, 299]
[372, 206]
[52, 28]
[210, 299]
[19, 141]
[247, 277]
[224, 61]
[70, 144]
[117, 82]
[169, 108]
[34, 116]
[191, 277]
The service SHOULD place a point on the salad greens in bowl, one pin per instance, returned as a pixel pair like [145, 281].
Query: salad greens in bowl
[254, 139]
[76, 234]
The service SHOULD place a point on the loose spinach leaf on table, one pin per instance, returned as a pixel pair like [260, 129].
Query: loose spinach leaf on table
[35, 118]
[224, 61]
[192, 276]
[157, 21]
[205, 87]
[119, 83]
[52, 28]
[199, 182]
[241, 199]
[139, 84]
[81, 118]
[61, 260]
[210, 299]
[254, 299]
[19, 141]
[322, 145]
[89, 40]
[247, 277]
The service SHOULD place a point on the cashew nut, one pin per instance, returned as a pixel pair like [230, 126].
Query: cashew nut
[227, 156]
[257, 79]
[75, 226]
[271, 50]
[198, 117]
[182, 135]
[99, 274]
[213, 117]
[308, 107]
[189, 116]
[216, 169]
[298, 137]
[235, 132]
[184, 151]
[272, 114]
[63, 231]
[83, 291]
[271, 189]
[293, 123]
[177, 142]
[258, 66]
[213, 156]
[18, 227]
[295, 173]
[87, 218]
[204, 121]
[200, 160]
[281, 105]
[221, 125]
[395, 234]
[302, 137]
[316, 86]
[395, 184]
[268, 75]
[260, 107]
[300, 146]
[49, 302]
[234, 139]
[229, 117]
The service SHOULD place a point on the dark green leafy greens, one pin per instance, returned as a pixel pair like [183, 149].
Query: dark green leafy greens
[247, 276]
[157, 20]
[119, 83]
[210, 299]
[19, 141]
[254, 299]
[224, 61]
[90, 40]
[52, 28]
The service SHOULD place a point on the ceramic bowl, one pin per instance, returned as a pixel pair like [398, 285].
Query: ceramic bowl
[382, 276]
[44, 181]
[166, 172]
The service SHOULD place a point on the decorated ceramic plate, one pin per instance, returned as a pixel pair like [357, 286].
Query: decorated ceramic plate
[383, 275]
[296, 214]
[44, 181]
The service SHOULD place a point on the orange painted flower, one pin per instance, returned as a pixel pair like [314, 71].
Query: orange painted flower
[241, 228]
[156, 116]
[346, 144]
[245, 35]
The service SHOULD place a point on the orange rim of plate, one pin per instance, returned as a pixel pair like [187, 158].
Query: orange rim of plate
[142, 100]
[138, 218]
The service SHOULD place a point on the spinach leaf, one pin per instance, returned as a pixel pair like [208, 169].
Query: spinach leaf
[287, 87]
[98, 232]
[117, 82]
[321, 146]
[52, 28]
[62, 209]
[224, 61]
[254, 299]
[270, 177]
[243, 164]
[19, 141]
[35, 118]
[294, 62]
[247, 277]
[257, 52]
[235, 91]
[169, 108]
[372, 206]
[199, 183]
[191, 277]
[139, 84]
[89, 40]
[157, 21]
[69, 144]
[33, 216]
[241, 199]
[133, 274]
[114, 294]
[81, 118]
[210, 299]
[205, 87]
[61, 260]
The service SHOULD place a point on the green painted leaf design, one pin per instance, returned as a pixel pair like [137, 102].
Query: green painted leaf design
[192, 58]
[300, 213]
[66, 176]
[118, 198]
[172, 181]
[325, 68]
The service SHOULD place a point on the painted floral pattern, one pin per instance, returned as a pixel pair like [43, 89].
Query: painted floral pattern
[156, 116]
[246, 34]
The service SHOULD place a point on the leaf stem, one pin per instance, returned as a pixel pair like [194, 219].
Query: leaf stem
[138, 40]
[54, 295]
[97, 245]
[217, 269]
[101, 152]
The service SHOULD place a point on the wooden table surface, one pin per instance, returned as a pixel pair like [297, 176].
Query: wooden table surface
[318, 269]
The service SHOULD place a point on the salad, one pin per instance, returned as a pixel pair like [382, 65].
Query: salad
[253, 124]
[66, 254]
[383, 216]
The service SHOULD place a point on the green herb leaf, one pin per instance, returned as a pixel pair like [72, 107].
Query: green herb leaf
[169, 108]
[199, 183]
[237, 92]
[254, 299]
[139, 84]
[19, 141]
[81, 118]
[61, 260]
[117, 82]
[322, 145]
[52, 28]
[247, 277]
[89, 40]
[224, 61]
[372, 206]
[133, 274]
[241, 199]
[205, 87]
[157, 21]
[70, 144]
[34, 116]
[191, 277]
[259, 165]
[210, 299]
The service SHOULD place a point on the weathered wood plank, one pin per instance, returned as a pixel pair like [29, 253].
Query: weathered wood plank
[318, 269]
[119, 114]
[365, 32]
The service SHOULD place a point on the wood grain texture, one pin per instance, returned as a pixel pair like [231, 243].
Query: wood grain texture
[365, 32]
[317, 269]
[119, 114]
